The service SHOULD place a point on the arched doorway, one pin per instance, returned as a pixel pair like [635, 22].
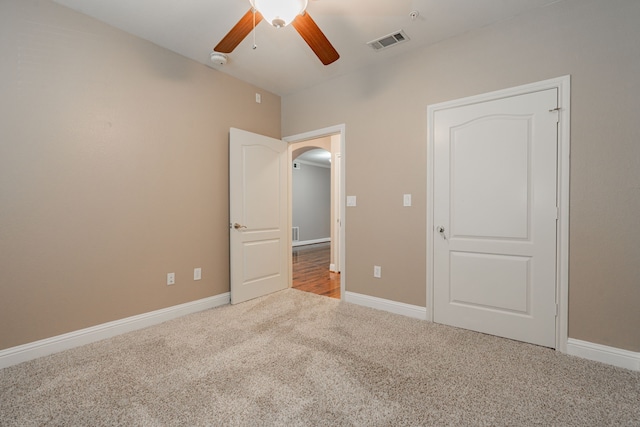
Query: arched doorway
[312, 199]
[315, 216]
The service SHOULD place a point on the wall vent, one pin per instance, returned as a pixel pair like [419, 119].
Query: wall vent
[388, 41]
[295, 233]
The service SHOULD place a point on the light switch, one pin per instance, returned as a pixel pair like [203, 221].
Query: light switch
[406, 201]
[351, 200]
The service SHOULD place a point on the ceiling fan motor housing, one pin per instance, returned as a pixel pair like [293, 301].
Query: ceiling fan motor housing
[279, 13]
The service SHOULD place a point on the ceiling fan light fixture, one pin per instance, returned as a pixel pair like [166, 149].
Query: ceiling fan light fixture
[279, 13]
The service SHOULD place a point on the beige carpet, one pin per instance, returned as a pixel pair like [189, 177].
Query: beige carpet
[294, 358]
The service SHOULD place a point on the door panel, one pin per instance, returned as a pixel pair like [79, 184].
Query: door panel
[507, 278]
[503, 164]
[261, 207]
[258, 215]
[495, 180]
[261, 260]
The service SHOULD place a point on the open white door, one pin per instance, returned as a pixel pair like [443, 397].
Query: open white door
[258, 235]
[495, 212]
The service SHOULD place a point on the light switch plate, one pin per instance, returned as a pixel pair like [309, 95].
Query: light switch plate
[406, 200]
[377, 271]
[351, 200]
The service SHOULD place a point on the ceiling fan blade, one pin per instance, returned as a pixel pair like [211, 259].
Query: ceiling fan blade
[315, 38]
[238, 32]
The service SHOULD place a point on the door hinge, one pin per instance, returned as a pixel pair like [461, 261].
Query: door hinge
[556, 110]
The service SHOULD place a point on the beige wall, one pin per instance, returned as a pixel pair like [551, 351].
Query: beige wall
[384, 109]
[113, 172]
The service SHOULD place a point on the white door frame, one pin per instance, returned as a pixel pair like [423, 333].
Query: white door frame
[315, 134]
[563, 84]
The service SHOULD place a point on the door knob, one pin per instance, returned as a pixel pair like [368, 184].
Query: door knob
[238, 226]
[440, 229]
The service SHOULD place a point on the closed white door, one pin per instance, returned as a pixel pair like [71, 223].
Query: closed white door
[258, 235]
[495, 186]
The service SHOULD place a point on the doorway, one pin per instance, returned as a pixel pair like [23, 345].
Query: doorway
[319, 266]
[497, 224]
[311, 198]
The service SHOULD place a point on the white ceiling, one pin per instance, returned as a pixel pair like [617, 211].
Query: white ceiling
[318, 156]
[282, 62]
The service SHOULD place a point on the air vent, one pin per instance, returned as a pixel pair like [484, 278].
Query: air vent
[388, 41]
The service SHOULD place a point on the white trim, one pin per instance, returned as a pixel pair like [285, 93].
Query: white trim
[564, 156]
[319, 133]
[604, 354]
[315, 134]
[310, 242]
[563, 84]
[14, 355]
[408, 310]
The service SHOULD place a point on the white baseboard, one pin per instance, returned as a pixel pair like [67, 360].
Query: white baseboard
[14, 355]
[602, 353]
[310, 242]
[409, 310]
[586, 350]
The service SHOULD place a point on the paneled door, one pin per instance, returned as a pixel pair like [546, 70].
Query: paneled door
[495, 212]
[259, 250]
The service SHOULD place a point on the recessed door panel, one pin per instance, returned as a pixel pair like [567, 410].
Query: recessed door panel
[261, 260]
[261, 208]
[493, 282]
[490, 177]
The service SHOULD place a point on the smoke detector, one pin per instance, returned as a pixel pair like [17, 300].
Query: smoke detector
[219, 58]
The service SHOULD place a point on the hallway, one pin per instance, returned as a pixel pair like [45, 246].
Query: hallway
[311, 270]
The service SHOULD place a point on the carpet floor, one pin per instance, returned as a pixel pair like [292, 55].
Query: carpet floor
[298, 359]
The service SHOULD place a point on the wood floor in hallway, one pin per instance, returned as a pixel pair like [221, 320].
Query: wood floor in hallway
[311, 270]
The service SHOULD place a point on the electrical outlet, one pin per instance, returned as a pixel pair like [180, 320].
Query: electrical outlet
[197, 273]
[171, 278]
[377, 271]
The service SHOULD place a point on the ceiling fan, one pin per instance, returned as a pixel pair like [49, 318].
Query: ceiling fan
[281, 13]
